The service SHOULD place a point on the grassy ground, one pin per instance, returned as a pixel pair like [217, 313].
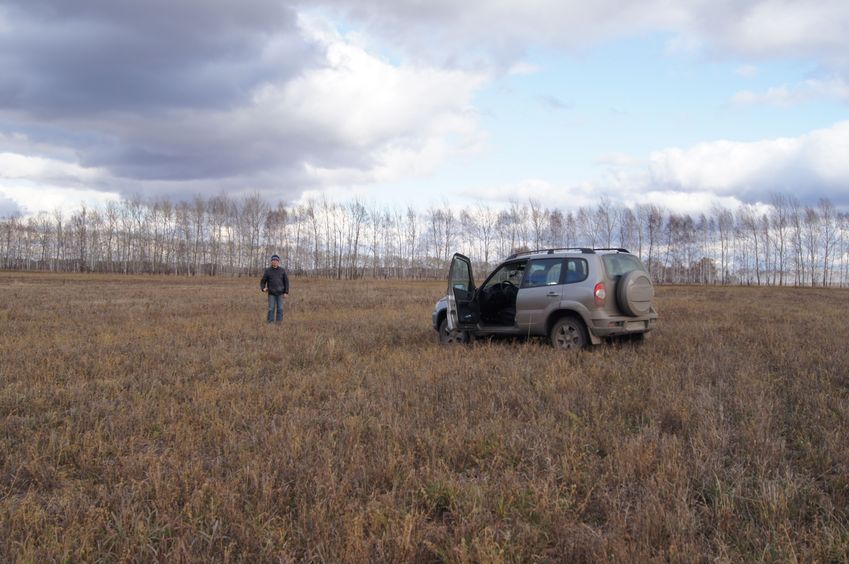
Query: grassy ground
[161, 419]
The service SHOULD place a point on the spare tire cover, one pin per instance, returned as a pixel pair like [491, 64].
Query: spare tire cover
[634, 293]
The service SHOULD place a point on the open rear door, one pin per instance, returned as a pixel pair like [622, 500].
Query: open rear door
[463, 313]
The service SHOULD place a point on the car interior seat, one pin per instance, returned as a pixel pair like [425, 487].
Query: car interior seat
[538, 278]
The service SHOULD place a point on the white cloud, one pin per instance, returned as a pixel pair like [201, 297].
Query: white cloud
[31, 198]
[691, 180]
[791, 95]
[549, 193]
[589, 194]
[757, 29]
[617, 160]
[692, 203]
[36, 184]
[746, 71]
[8, 206]
[523, 68]
[481, 30]
[17, 166]
[402, 120]
[783, 27]
[684, 45]
[809, 166]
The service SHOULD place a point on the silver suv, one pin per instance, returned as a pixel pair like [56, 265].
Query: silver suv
[576, 297]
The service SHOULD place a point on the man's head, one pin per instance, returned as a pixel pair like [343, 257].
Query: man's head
[275, 260]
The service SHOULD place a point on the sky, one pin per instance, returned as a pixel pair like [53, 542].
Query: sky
[402, 102]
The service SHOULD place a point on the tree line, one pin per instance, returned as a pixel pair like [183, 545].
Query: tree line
[781, 243]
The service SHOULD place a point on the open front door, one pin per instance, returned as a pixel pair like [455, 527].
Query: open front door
[463, 313]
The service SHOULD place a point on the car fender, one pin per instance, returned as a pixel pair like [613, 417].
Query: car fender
[439, 310]
[575, 308]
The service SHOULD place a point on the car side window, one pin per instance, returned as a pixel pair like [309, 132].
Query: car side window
[460, 276]
[513, 273]
[543, 272]
[576, 270]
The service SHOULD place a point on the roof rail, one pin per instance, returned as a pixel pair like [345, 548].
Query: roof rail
[618, 249]
[585, 250]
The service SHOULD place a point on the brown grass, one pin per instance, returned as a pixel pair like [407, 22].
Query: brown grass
[161, 419]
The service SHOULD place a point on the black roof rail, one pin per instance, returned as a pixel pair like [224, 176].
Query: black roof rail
[618, 249]
[585, 250]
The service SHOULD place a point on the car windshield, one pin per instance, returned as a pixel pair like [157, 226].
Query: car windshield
[619, 264]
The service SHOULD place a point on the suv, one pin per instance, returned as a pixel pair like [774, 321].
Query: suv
[574, 296]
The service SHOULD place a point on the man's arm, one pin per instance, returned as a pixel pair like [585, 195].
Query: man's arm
[285, 283]
[264, 280]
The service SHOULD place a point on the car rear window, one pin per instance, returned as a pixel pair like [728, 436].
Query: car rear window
[619, 264]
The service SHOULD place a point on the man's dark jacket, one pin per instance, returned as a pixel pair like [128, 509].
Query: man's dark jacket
[276, 281]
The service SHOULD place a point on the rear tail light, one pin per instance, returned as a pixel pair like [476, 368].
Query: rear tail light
[599, 293]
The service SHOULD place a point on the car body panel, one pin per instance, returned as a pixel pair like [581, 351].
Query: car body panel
[540, 294]
[534, 305]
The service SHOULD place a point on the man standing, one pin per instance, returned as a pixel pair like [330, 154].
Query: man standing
[276, 283]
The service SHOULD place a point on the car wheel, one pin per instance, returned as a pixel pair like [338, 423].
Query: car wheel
[570, 334]
[634, 293]
[447, 336]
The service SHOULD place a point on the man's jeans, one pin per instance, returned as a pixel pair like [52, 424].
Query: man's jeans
[275, 301]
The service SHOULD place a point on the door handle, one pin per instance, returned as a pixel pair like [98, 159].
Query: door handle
[553, 295]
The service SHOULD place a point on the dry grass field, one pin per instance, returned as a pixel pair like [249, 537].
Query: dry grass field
[160, 419]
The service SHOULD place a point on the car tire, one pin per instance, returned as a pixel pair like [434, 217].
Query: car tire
[634, 293]
[448, 337]
[570, 334]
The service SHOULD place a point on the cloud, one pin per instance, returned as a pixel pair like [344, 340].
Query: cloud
[30, 199]
[24, 167]
[176, 97]
[554, 103]
[9, 207]
[588, 195]
[746, 71]
[551, 194]
[617, 160]
[98, 57]
[779, 28]
[681, 202]
[785, 96]
[809, 166]
[145, 92]
[29, 184]
[684, 45]
[209, 96]
[483, 32]
[523, 68]
[691, 180]
[363, 102]
[748, 29]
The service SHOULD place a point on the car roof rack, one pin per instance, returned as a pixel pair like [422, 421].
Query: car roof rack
[584, 250]
[617, 249]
